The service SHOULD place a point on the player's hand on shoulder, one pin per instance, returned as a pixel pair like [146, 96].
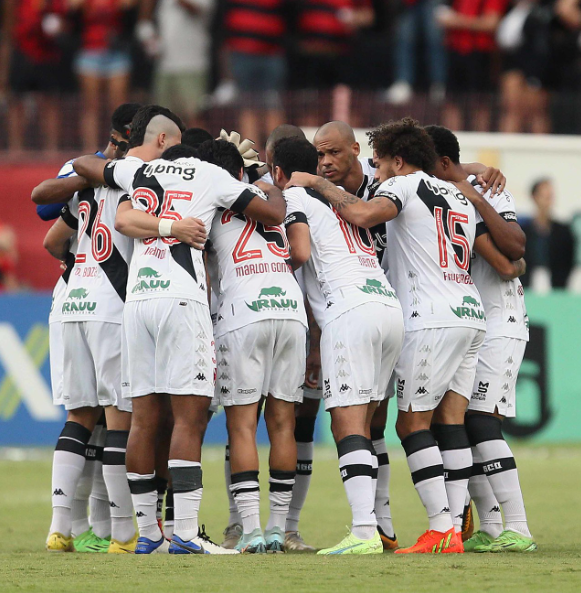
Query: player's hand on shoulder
[492, 179]
[191, 231]
[468, 190]
[299, 179]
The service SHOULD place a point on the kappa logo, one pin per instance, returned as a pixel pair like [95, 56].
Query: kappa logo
[483, 387]
[503, 400]
[113, 505]
[224, 390]
[344, 388]
[329, 304]
[220, 317]
[342, 374]
[421, 390]
[494, 509]
[511, 319]
[509, 292]
[201, 335]
[414, 315]
[422, 377]
[445, 510]
[201, 363]
[425, 348]
[339, 346]
[508, 373]
[509, 360]
[470, 307]
[201, 348]
[423, 363]
[340, 360]
[505, 387]
[200, 377]
[223, 363]
[222, 348]
[376, 287]
[224, 376]
[140, 514]
[271, 298]
[58, 492]
[202, 287]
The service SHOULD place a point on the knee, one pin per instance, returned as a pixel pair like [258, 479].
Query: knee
[483, 427]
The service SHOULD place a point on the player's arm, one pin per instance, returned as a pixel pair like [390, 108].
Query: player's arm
[299, 238]
[506, 269]
[313, 368]
[54, 191]
[508, 236]
[487, 177]
[363, 214]
[140, 225]
[58, 238]
[92, 168]
[271, 211]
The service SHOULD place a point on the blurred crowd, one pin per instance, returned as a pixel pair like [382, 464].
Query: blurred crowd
[512, 66]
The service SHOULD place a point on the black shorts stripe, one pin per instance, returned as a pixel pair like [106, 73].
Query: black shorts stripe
[497, 466]
[355, 470]
[427, 473]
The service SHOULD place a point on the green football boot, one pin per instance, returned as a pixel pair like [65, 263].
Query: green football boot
[480, 538]
[353, 545]
[509, 541]
[88, 542]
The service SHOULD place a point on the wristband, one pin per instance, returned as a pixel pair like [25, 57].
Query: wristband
[165, 225]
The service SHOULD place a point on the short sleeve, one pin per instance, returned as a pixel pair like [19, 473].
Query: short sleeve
[233, 194]
[295, 207]
[70, 212]
[121, 173]
[393, 189]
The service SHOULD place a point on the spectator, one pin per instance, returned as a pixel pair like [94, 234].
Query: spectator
[255, 40]
[418, 16]
[471, 26]
[550, 249]
[523, 34]
[183, 45]
[104, 59]
[327, 30]
[32, 63]
[8, 257]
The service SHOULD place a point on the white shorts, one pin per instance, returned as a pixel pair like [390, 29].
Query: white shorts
[56, 354]
[92, 365]
[434, 361]
[263, 358]
[170, 347]
[358, 352]
[499, 361]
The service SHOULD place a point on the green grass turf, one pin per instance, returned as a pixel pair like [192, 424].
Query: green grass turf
[551, 479]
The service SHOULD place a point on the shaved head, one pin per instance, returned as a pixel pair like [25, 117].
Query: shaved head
[160, 124]
[338, 129]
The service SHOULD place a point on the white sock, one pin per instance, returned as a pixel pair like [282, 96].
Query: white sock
[487, 506]
[280, 495]
[382, 506]
[115, 476]
[427, 469]
[100, 511]
[67, 468]
[457, 460]
[79, 512]
[234, 515]
[355, 465]
[302, 482]
[144, 497]
[186, 479]
[246, 493]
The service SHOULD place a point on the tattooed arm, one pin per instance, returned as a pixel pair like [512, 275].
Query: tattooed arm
[363, 214]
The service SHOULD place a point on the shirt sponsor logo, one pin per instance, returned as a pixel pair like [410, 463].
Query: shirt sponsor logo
[274, 302]
[470, 308]
[376, 287]
[145, 285]
[78, 294]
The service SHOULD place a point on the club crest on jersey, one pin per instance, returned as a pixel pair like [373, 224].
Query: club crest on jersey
[376, 287]
[274, 301]
[470, 308]
[145, 285]
[78, 294]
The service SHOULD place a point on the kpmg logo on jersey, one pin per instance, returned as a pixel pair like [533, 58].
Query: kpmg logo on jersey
[146, 281]
[376, 287]
[76, 302]
[271, 299]
[469, 309]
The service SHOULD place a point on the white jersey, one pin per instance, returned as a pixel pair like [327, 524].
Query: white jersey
[59, 292]
[256, 281]
[307, 279]
[347, 270]
[164, 267]
[429, 249]
[98, 283]
[503, 300]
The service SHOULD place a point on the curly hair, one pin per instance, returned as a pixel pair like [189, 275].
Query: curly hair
[407, 139]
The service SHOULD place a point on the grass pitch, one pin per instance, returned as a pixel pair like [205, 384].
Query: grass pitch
[551, 480]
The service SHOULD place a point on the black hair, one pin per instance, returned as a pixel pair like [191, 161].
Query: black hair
[295, 154]
[407, 139]
[179, 151]
[224, 154]
[445, 142]
[142, 119]
[122, 117]
[537, 184]
[284, 131]
[195, 136]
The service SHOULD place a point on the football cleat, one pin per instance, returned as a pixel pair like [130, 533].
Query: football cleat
[467, 522]
[253, 543]
[90, 543]
[147, 546]
[353, 545]
[209, 546]
[57, 542]
[274, 540]
[480, 538]
[179, 546]
[232, 535]
[510, 541]
[128, 547]
[389, 543]
[436, 542]
[295, 544]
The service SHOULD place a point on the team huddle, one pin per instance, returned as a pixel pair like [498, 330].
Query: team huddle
[197, 276]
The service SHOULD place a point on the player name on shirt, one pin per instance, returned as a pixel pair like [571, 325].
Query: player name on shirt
[256, 281]
[503, 300]
[162, 266]
[429, 251]
[343, 256]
